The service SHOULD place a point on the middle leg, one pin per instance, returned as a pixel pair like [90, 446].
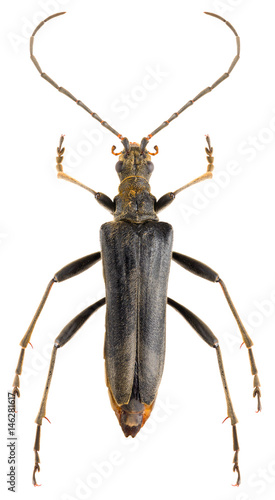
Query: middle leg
[203, 271]
[69, 271]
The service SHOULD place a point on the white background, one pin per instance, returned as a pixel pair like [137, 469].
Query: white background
[102, 51]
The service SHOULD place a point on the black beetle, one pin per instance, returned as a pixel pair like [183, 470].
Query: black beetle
[136, 251]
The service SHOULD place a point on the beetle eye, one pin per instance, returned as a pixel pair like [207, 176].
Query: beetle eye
[150, 167]
[119, 166]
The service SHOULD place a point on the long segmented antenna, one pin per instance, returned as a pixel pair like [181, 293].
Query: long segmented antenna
[207, 89]
[145, 140]
[61, 89]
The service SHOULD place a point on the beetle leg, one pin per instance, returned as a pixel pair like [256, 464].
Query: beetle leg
[70, 270]
[200, 269]
[167, 198]
[66, 334]
[102, 198]
[207, 335]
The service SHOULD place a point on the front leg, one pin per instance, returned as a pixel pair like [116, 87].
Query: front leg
[167, 198]
[102, 198]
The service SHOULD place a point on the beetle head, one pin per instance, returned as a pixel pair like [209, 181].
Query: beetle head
[134, 160]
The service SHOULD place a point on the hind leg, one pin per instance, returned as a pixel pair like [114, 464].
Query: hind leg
[67, 333]
[206, 334]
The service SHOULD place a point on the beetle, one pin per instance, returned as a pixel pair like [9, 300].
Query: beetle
[136, 252]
